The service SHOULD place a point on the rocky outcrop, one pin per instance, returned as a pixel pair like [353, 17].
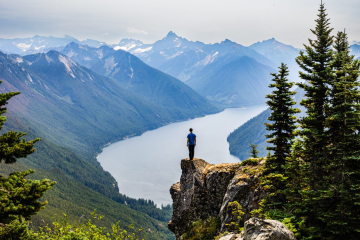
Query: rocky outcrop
[260, 229]
[206, 190]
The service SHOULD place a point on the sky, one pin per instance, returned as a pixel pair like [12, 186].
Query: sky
[209, 21]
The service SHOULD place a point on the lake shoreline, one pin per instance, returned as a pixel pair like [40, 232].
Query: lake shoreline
[146, 165]
[139, 134]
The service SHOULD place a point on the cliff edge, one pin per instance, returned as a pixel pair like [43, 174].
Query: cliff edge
[206, 190]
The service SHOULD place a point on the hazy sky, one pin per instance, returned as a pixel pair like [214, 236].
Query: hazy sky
[209, 21]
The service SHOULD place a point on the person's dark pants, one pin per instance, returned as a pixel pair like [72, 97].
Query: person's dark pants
[191, 151]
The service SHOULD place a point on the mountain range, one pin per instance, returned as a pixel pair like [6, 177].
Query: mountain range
[182, 58]
[192, 62]
[36, 44]
[233, 79]
[75, 107]
[154, 54]
[132, 73]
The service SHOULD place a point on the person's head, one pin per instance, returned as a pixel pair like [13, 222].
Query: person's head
[191, 130]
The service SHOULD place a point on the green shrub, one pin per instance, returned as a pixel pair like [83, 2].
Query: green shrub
[234, 209]
[61, 229]
[203, 229]
[250, 162]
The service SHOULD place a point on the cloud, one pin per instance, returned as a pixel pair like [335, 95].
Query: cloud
[134, 30]
[105, 34]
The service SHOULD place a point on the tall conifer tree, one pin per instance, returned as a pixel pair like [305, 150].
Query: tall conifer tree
[281, 136]
[317, 73]
[343, 174]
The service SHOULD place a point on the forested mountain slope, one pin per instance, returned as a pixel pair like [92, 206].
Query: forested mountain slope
[82, 186]
[77, 201]
[254, 131]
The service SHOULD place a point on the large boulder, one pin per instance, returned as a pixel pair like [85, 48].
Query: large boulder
[261, 229]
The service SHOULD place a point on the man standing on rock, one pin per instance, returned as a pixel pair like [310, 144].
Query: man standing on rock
[191, 143]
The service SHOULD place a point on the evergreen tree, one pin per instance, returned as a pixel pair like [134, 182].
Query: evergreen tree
[343, 174]
[253, 151]
[281, 136]
[18, 196]
[316, 63]
[282, 120]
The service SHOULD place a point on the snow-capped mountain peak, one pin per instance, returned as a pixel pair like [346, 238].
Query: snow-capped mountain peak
[127, 44]
[171, 34]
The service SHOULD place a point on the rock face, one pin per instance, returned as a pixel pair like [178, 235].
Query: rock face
[206, 190]
[259, 229]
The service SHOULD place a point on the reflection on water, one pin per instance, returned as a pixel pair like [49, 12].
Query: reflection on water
[146, 166]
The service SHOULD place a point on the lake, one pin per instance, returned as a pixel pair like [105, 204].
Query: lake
[146, 166]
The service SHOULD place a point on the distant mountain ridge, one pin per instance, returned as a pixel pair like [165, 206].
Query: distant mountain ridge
[85, 55]
[279, 53]
[172, 45]
[164, 54]
[241, 82]
[37, 44]
[182, 59]
[195, 63]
